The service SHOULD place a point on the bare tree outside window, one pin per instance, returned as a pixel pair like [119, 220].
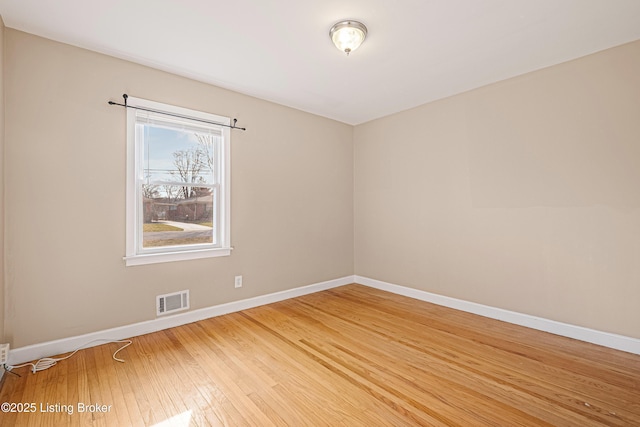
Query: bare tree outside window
[150, 191]
[206, 145]
[189, 168]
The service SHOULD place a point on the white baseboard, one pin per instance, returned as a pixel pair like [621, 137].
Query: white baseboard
[33, 352]
[618, 342]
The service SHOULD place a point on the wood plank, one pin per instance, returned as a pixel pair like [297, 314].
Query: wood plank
[351, 356]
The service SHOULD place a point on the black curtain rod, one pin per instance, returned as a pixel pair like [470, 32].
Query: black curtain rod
[166, 113]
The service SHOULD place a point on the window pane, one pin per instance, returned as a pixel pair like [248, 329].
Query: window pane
[175, 215]
[178, 155]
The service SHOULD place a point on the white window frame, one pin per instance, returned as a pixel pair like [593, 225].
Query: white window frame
[135, 254]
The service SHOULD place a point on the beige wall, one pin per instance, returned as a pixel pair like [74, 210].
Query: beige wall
[523, 195]
[2, 288]
[292, 195]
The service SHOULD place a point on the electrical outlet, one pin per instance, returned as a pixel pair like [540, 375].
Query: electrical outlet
[238, 282]
[4, 354]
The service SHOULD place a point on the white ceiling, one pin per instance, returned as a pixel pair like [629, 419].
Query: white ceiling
[417, 51]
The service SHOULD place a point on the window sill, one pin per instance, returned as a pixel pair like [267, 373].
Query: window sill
[175, 256]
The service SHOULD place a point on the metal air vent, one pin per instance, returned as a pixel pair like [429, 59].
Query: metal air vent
[169, 303]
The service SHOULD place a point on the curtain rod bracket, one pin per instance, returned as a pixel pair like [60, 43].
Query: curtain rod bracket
[125, 105]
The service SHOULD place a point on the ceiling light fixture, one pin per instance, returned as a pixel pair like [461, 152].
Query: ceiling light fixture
[348, 35]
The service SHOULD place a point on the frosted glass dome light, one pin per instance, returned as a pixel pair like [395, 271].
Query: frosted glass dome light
[348, 35]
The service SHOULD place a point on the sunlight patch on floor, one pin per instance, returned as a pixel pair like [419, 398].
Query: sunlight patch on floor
[180, 420]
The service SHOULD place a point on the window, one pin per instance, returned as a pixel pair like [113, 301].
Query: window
[177, 184]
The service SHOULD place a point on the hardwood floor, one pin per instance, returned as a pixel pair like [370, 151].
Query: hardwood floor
[350, 356]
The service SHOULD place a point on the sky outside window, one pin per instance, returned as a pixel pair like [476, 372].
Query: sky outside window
[160, 162]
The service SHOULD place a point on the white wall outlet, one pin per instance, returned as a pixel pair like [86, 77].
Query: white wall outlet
[238, 282]
[4, 353]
